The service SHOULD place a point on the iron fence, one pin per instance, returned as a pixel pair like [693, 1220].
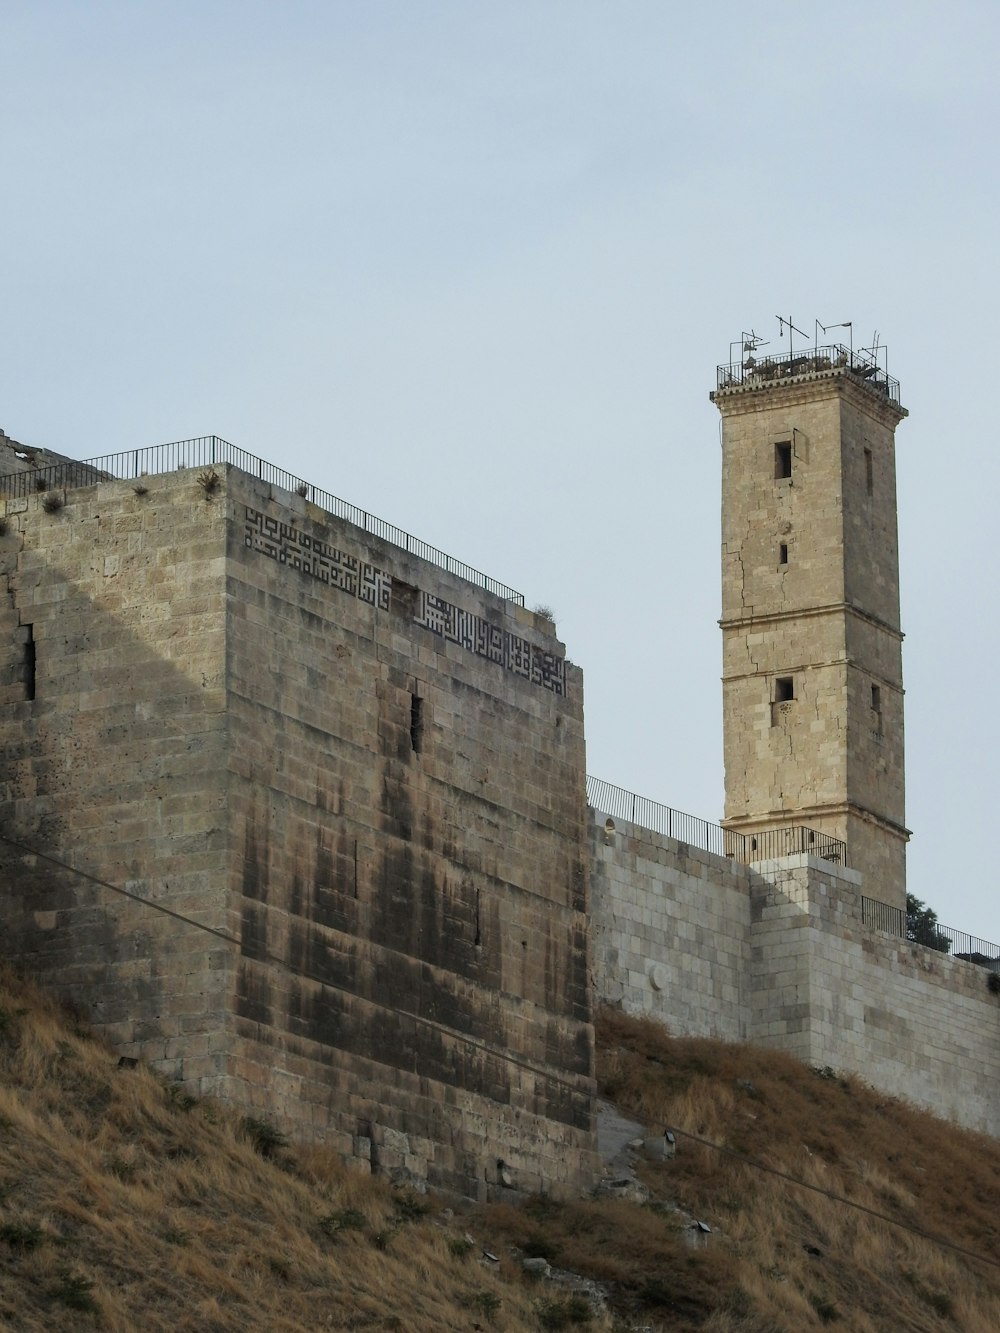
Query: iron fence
[754, 371]
[657, 818]
[944, 939]
[793, 841]
[209, 450]
[670, 823]
[880, 916]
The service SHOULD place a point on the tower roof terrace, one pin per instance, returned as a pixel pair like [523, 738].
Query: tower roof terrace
[754, 372]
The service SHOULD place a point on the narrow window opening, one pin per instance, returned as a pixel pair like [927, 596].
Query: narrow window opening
[869, 477]
[876, 699]
[783, 554]
[784, 689]
[29, 663]
[416, 723]
[783, 458]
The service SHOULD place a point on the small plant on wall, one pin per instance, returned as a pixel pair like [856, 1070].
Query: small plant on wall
[209, 482]
[52, 502]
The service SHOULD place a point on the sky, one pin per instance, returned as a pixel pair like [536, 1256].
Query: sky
[471, 266]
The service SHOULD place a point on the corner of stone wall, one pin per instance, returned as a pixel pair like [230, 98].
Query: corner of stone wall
[801, 906]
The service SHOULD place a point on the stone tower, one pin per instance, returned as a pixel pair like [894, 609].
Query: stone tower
[812, 673]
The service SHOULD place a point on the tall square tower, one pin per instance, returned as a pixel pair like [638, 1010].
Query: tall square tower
[812, 671]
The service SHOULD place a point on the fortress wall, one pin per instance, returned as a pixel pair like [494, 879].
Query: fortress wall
[913, 1022]
[367, 776]
[407, 803]
[776, 953]
[365, 773]
[112, 617]
[671, 930]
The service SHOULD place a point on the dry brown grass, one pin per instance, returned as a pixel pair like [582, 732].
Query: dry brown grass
[833, 1133]
[123, 1208]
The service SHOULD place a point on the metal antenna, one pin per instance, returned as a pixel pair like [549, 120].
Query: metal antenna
[791, 329]
[748, 344]
[845, 324]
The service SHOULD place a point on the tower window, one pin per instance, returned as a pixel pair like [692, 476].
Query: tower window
[783, 554]
[784, 689]
[416, 723]
[876, 699]
[783, 458]
[29, 663]
[869, 477]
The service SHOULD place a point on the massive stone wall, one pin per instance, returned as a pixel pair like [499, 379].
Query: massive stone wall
[357, 783]
[113, 733]
[407, 773]
[914, 1022]
[777, 953]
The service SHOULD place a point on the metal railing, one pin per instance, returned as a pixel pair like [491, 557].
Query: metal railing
[745, 847]
[880, 916]
[944, 939]
[768, 844]
[768, 369]
[208, 450]
[657, 818]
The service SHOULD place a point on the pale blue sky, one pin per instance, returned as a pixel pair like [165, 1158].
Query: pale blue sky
[471, 266]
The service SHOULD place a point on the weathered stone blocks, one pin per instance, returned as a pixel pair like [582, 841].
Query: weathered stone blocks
[365, 774]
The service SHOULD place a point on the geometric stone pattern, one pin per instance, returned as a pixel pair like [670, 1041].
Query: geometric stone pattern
[378, 837]
[290, 544]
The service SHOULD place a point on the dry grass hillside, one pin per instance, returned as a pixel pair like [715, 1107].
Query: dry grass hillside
[124, 1206]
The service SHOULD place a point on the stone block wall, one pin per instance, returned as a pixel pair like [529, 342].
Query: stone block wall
[361, 775]
[408, 816]
[913, 1022]
[671, 928]
[776, 953]
[114, 742]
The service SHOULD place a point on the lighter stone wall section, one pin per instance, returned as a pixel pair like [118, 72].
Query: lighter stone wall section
[776, 953]
[914, 1022]
[671, 927]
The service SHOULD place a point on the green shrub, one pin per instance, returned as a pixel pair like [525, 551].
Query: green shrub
[411, 1206]
[573, 1311]
[344, 1219]
[22, 1236]
[73, 1290]
[265, 1139]
[486, 1303]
